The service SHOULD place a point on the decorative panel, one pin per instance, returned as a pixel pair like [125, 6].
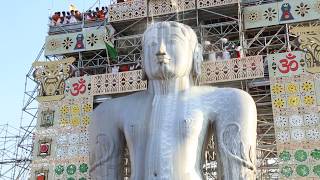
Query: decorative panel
[77, 87]
[160, 7]
[297, 126]
[51, 76]
[138, 8]
[87, 39]
[62, 149]
[127, 10]
[317, 87]
[296, 120]
[118, 82]
[298, 10]
[309, 41]
[286, 64]
[281, 13]
[262, 15]
[232, 69]
[213, 3]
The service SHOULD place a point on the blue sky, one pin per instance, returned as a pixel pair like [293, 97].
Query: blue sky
[23, 31]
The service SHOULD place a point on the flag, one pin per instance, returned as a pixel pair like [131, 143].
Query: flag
[72, 7]
[112, 52]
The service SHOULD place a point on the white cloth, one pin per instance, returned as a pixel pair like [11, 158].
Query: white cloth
[115, 69]
[226, 55]
[212, 56]
[72, 19]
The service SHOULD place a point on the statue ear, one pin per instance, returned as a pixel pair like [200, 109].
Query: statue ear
[197, 59]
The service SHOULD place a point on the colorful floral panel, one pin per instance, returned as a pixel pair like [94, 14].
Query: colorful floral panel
[281, 13]
[86, 40]
[63, 146]
[296, 121]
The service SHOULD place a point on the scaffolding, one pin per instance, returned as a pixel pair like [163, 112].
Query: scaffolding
[212, 20]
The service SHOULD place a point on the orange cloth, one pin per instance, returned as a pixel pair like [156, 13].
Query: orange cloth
[41, 177]
[55, 17]
[100, 15]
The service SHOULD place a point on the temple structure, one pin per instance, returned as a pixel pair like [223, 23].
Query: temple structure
[268, 48]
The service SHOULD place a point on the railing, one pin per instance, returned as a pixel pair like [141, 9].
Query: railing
[76, 26]
[213, 3]
[128, 10]
[232, 69]
[138, 8]
[160, 7]
[121, 82]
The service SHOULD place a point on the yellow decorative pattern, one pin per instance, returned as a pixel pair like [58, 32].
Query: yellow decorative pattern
[292, 88]
[87, 108]
[279, 103]
[75, 109]
[75, 121]
[307, 86]
[277, 89]
[309, 100]
[293, 101]
[86, 120]
[64, 110]
[64, 122]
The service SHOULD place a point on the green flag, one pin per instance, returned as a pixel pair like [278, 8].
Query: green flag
[113, 54]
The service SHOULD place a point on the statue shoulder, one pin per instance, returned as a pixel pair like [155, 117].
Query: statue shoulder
[215, 93]
[116, 105]
[203, 91]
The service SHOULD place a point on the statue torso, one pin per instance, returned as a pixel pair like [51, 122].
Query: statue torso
[165, 134]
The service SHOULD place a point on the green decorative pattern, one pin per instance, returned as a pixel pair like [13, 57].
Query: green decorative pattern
[315, 154]
[302, 170]
[82, 178]
[59, 169]
[285, 156]
[316, 170]
[71, 169]
[83, 168]
[286, 171]
[70, 178]
[301, 155]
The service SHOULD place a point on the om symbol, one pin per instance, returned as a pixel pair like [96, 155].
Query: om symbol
[78, 88]
[289, 64]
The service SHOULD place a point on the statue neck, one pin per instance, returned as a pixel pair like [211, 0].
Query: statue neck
[169, 86]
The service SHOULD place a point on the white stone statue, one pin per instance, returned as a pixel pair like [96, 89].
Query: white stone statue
[166, 126]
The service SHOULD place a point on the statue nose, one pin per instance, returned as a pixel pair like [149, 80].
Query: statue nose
[162, 55]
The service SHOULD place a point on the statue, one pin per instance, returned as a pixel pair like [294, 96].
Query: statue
[166, 126]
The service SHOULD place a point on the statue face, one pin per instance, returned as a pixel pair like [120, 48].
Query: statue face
[168, 51]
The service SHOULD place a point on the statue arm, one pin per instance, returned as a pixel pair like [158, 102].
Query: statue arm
[106, 143]
[233, 113]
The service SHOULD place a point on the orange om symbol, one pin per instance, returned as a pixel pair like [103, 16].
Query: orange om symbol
[289, 64]
[78, 88]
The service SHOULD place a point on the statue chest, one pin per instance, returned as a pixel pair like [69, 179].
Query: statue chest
[168, 126]
[168, 120]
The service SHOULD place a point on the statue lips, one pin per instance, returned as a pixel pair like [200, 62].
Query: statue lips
[164, 69]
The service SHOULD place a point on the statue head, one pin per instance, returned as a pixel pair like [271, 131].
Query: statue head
[171, 50]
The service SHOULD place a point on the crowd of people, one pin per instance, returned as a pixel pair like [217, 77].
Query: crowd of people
[75, 16]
